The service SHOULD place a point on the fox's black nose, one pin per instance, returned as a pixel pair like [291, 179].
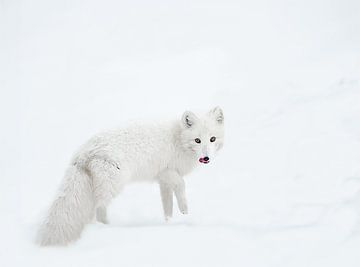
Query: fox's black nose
[206, 158]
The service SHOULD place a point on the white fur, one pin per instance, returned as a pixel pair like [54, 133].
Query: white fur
[162, 152]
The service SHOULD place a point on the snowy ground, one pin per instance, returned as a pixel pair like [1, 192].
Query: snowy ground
[285, 190]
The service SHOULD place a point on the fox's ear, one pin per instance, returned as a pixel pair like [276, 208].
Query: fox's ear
[218, 114]
[188, 119]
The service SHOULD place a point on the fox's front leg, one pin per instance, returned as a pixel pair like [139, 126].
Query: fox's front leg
[166, 192]
[171, 182]
[179, 190]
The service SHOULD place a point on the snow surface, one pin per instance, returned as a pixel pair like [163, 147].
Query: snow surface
[285, 190]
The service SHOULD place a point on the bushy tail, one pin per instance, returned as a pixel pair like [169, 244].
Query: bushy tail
[71, 210]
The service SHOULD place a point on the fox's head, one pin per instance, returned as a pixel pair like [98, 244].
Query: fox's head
[203, 136]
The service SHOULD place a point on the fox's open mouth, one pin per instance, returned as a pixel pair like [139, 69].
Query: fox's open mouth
[202, 160]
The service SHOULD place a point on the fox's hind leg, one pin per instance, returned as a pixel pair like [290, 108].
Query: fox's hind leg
[101, 215]
[108, 180]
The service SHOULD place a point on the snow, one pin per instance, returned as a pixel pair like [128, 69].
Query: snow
[285, 191]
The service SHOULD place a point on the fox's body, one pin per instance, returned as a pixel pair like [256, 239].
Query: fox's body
[161, 152]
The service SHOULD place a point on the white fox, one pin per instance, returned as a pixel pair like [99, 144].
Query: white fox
[162, 152]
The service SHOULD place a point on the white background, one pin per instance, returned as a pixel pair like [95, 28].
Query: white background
[283, 192]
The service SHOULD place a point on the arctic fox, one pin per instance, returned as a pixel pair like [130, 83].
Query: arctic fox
[162, 152]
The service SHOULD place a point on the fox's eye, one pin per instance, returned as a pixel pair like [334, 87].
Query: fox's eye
[212, 139]
[197, 140]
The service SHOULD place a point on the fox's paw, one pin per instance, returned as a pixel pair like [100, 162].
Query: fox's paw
[183, 209]
[167, 218]
[104, 220]
[184, 212]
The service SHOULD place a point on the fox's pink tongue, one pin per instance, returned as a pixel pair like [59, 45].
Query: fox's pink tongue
[202, 160]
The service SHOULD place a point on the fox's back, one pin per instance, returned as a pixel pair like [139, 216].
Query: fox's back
[141, 149]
